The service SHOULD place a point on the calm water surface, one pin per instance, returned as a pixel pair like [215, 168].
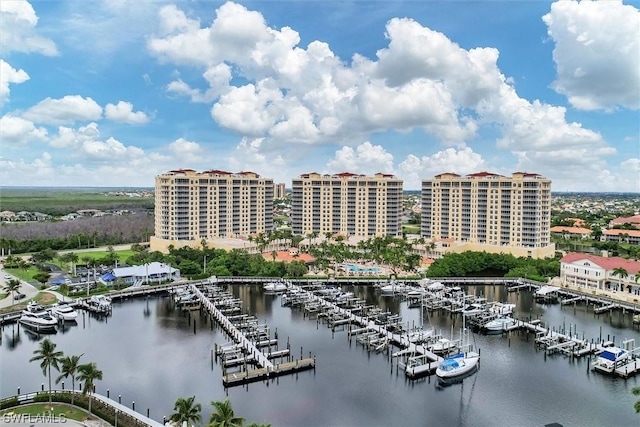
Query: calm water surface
[149, 354]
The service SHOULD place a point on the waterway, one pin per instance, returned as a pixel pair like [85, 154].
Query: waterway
[150, 355]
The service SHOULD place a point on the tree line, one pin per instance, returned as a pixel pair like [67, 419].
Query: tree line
[77, 234]
[475, 264]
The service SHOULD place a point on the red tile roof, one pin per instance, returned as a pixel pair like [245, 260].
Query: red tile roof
[574, 230]
[619, 231]
[285, 256]
[608, 263]
[628, 220]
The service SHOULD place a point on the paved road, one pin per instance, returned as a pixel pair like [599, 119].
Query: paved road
[26, 288]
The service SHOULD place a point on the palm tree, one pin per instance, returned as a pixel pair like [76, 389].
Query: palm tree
[636, 392]
[224, 416]
[48, 357]
[12, 287]
[69, 367]
[186, 411]
[88, 374]
[621, 273]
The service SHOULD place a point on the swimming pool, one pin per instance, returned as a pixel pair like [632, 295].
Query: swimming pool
[358, 269]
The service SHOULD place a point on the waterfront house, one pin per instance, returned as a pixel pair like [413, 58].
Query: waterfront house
[593, 272]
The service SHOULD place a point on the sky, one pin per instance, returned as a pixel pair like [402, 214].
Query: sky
[113, 93]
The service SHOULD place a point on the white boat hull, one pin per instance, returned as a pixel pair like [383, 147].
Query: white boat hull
[500, 325]
[458, 365]
[66, 314]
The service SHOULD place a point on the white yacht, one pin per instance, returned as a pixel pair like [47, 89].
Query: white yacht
[37, 318]
[63, 312]
[462, 363]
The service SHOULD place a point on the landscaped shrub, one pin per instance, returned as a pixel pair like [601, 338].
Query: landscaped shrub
[9, 403]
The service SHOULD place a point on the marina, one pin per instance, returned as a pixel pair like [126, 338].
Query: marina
[545, 337]
[165, 334]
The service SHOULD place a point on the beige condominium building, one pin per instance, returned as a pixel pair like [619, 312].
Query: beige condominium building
[212, 205]
[279, 190]
[489, 212]
[347, 204]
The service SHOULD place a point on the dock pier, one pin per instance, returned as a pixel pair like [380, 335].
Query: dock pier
[245, 351]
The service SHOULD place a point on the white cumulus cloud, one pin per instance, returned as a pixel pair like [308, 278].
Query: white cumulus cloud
[18, 20]
[597, 53]
[457, 160]
[8, 75]
[123, 112]
[69, 109]
[16, 130]
[366, 159]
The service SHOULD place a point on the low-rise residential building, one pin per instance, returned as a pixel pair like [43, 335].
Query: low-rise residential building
[593, 272]
[622, 236]
[633, 220]
[571, 232]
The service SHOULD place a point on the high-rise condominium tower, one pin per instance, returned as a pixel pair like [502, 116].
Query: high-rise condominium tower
[347, 204]
[487, 211]
[192, 205]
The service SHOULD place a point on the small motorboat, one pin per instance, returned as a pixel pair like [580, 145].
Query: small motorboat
[443, 345]
[278, 286]
[501, 324]
[393, 288]
[610, 359]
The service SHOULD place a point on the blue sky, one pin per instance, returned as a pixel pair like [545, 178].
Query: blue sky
[114, 92]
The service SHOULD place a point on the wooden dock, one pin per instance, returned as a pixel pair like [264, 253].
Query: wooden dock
[369, 329]
[261, 374]
[245, 351]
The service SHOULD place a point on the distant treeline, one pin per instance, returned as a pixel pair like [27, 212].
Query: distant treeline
[61, 201]
[77, 234]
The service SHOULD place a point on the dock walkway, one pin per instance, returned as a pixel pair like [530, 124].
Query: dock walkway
[250, 349]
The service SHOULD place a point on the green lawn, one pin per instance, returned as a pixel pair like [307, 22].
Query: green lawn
[59, 410]
[411, 228]
[122, 255]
